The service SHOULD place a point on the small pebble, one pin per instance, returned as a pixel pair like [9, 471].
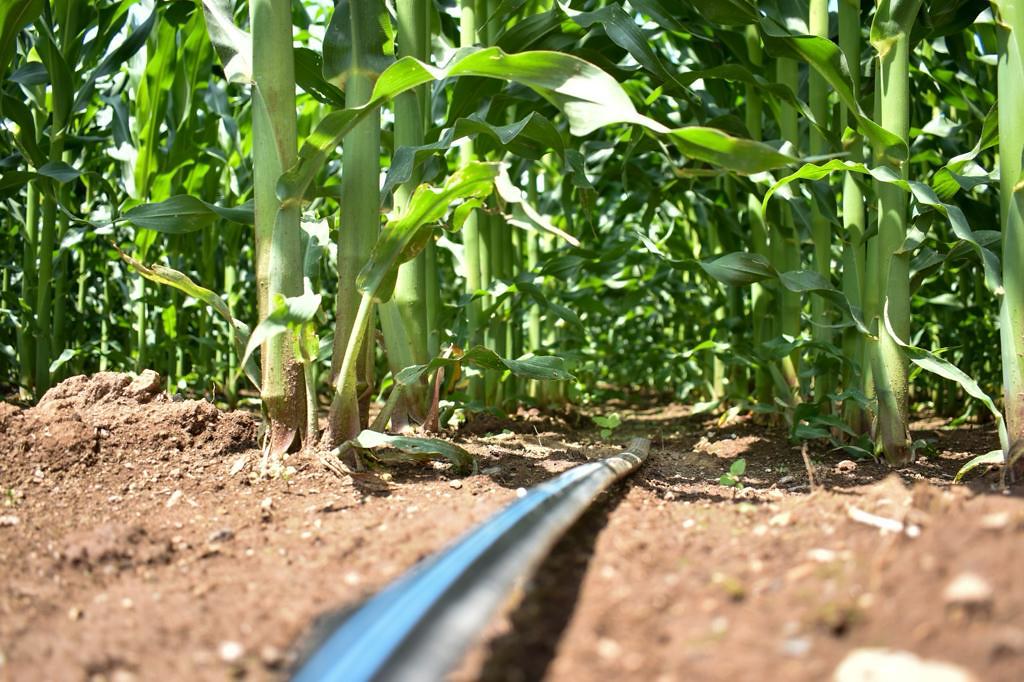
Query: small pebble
[888, 665]
[846, 466]
[9, 520]
[797, 647]
[520, 492]
[265, 507]
[174, 498]
[970, 592]
[455, 483]
[608, 648]
[995, 521]
[821, 555]
[230, 651]
[271, 656]
[222, 535]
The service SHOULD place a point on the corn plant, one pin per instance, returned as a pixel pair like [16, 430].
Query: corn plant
[445, 206]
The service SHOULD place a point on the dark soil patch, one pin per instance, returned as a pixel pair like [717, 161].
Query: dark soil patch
[136, 545]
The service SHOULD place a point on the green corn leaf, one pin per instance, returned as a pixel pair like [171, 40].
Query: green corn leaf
[624, 32]
[14, 16]
[530, 137]
[25, 135]
[29, 75]
[992, 458]
[828, 60]
[930, 362]
[939, 19]
[337, 56]
[739, 268]
[233, 45]
[183, 213]
[114, 60]
[539, 367]
[740, 155]
[62, 79]
[418, 449]
[170, 277]
[727, 12]
[810, 282]
[737, 73]
[405, 235]
[560, 311]
[309, 77]
[948, 179]
[288, 313]
[589, 97]
[513, 195]
[62, 359]
[921, 192]
[59, 171]
[664, 15]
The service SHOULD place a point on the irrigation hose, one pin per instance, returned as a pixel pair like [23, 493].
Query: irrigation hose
[419, 627]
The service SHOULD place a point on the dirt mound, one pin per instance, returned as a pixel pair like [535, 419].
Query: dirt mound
[525, 420]
[114, 547]
[111, 416]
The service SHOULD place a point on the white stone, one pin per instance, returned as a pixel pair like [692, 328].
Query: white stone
[968, 590]
[889, 665]
[230, 651]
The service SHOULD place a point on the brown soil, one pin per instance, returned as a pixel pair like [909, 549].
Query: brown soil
[136, 544]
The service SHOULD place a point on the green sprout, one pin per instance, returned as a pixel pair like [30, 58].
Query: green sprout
[608, 424]
[733, 478]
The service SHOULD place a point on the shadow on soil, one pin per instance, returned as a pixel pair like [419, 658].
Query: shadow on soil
[537, 624]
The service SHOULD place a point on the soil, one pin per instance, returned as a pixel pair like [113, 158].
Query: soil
[136, 542]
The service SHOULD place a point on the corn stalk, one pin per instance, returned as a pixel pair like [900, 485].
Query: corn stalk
[854, 255]
[360, 221]
[1011, 147]
[890, 36]
[410, 316]
[278, 253]
[821, 231]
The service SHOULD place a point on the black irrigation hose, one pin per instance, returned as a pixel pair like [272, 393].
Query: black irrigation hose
[420, 626]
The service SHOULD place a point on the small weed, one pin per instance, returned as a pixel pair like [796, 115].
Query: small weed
[733, 478]
[608, 424]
